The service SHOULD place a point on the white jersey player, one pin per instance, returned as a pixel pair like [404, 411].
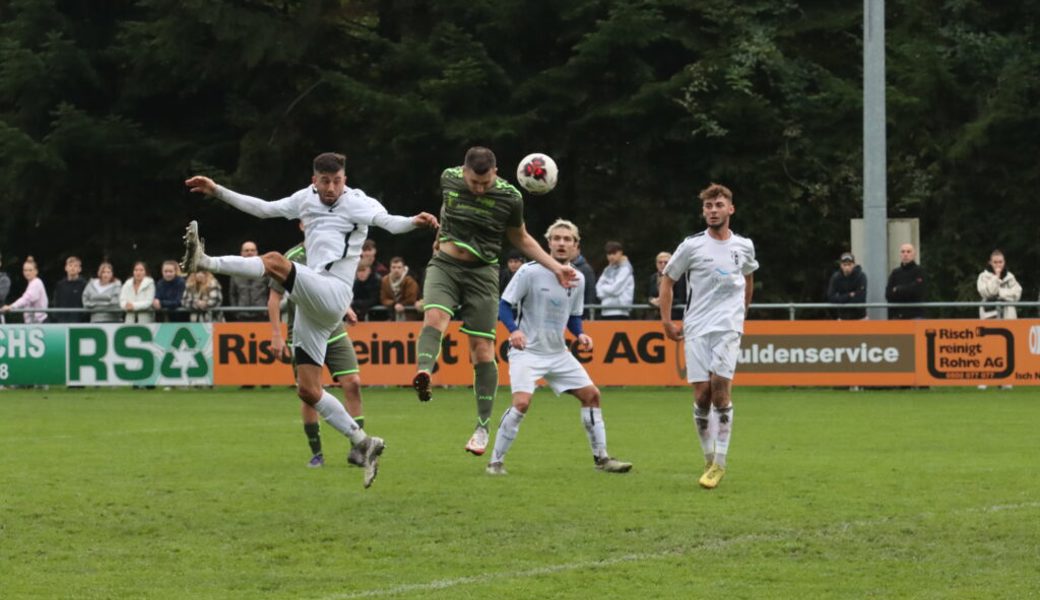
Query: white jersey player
[336, 220]
[538, 349]
[717, 265]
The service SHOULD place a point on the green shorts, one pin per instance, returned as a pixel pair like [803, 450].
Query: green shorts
[340, 357]
[472, 288]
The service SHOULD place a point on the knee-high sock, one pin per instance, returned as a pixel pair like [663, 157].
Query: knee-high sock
[508, 428]
[313, 437]
[702, 420]
[725, 416]
[242, 266]
[592, 419]
[428, 348]
[485, 386]
[337, 416]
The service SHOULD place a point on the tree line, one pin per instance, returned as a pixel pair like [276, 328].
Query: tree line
[105, 107]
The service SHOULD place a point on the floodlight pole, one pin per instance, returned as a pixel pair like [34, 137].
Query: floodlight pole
[875, 197]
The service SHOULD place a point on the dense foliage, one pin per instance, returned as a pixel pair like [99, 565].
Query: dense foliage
[106, 107]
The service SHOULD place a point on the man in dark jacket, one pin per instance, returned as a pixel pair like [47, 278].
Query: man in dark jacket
[906, 284]
[848, 285]
[68, 293]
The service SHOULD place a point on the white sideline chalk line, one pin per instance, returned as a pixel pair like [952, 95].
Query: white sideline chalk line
[825, 531]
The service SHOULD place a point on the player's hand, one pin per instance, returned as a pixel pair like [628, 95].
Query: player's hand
[518, 340]
[202, 185]
[278, 347]
[584, 342]
[567, 276]
[671, 331]
[351, 316]
[425, 219]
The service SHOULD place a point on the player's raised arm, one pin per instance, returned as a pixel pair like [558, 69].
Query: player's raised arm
[523, 241]
[286, 207]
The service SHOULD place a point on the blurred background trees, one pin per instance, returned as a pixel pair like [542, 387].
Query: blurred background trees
[106, 107]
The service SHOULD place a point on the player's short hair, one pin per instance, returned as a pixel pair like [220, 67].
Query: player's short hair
[564, 224]
[172, 263]
[396, 259]
[329, 162]
[479, 159]
[73, 259]
[714, 191]
[612, 247]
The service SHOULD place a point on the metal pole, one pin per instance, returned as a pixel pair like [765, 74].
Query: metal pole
[875, 197]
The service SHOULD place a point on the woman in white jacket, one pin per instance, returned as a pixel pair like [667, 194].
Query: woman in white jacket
[998, 285]
[137, 295]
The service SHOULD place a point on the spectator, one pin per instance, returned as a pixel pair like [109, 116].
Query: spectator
[202, 294]
[578, 262]
[366, 291]
[998, 285]
[169, 291]
[137, 296]
[5, 287]
[247, 291]
[906, 285]
[103, 293]
[368, 257]
[514, 261]
[653, 289]
[399, 292]
[68, 293]
[35, 295]
[616, 285]
[848, 285]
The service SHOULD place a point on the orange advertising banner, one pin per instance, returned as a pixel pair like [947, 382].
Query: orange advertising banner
[785, 353]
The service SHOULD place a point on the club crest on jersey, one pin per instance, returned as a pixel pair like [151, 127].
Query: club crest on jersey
[736, 257]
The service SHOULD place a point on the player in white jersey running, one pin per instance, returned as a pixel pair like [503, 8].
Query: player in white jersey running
[718, 265]
[335, 220]
[538, 349]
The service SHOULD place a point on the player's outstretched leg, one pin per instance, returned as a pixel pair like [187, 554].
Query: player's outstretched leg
[194, 249]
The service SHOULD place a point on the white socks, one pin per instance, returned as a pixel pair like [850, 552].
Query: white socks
[702, 420]
[252, 266]
[592, 419]
[333, 412]
[508, 428]
[725, 418]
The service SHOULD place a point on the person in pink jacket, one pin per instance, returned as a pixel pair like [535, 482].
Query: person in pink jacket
[35, 295]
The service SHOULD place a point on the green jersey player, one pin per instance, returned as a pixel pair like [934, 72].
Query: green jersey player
[478, 209]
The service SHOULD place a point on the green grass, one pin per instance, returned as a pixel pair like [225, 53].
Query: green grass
[830, 494]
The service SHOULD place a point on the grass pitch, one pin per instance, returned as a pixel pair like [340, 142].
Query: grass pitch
[829, 494]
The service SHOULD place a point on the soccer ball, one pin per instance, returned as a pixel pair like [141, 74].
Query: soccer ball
[537, 173]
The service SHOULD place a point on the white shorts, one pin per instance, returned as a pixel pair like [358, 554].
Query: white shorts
[714, 352]
[321, 302]
[561, 371]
